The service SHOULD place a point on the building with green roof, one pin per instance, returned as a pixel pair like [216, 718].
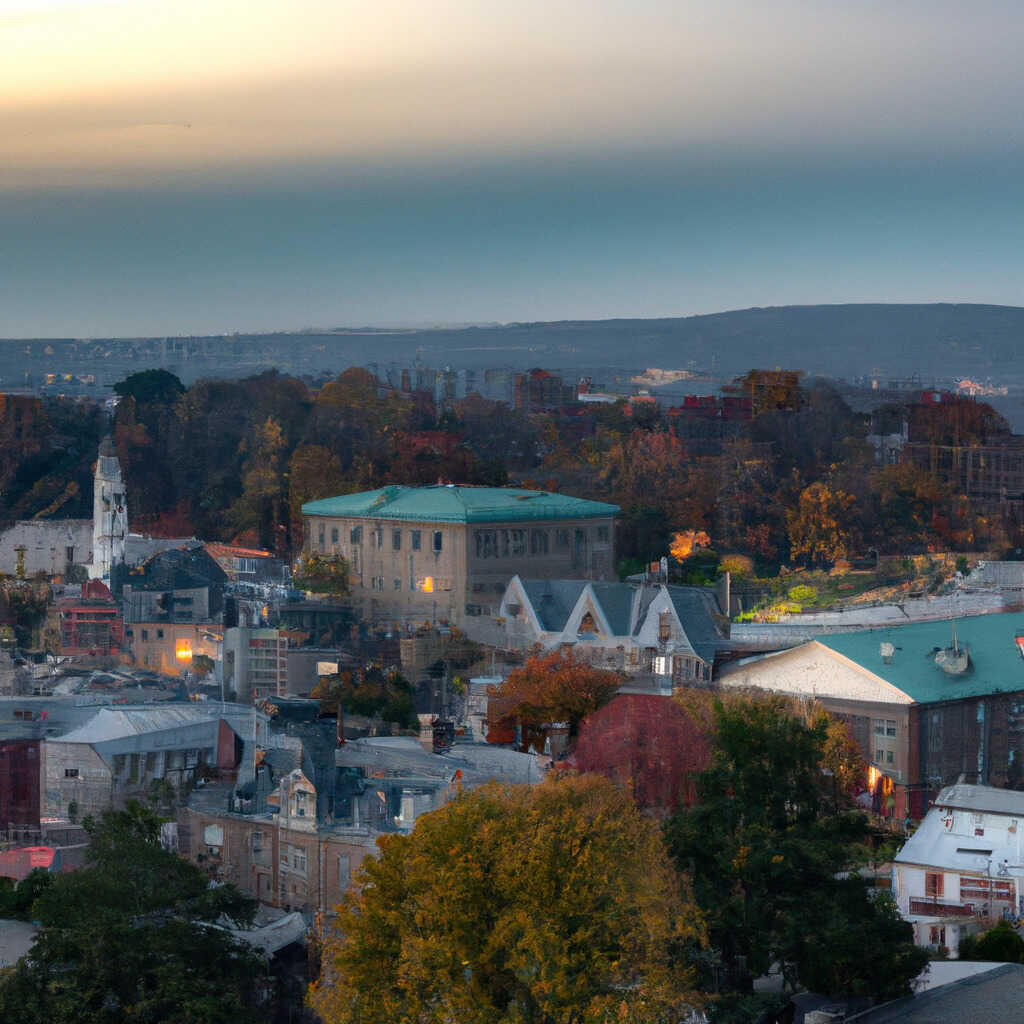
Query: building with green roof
[920, 725]
[446, 553]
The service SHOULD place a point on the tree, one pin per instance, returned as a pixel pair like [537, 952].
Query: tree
[556, 688]
[770, 844]
[1001, 943]
[135, 936]
[149, 386]
[371, 692]
[323, 574]
[819, 528]
[688, 542]
[552, 903]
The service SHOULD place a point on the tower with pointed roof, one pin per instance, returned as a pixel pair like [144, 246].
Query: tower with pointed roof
[109, 512]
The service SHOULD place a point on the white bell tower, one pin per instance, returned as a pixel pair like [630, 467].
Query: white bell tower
[109, 513]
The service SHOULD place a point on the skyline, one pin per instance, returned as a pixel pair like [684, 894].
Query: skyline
[210, 168]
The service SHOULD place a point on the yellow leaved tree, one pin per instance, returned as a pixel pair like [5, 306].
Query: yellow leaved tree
[549, 903]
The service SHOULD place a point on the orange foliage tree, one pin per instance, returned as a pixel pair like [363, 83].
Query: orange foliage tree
[549, 903]
[556, 688]
[687, 542]
[819, 528]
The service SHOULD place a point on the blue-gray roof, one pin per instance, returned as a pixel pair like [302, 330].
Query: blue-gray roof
[449, 504]
[616, 601]
[553, 600]
[705, 627]
[996, 663]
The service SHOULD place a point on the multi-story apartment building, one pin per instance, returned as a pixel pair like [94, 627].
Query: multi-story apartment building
[255, 663]
[447, 553]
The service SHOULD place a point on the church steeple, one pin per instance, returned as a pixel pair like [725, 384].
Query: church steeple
[109, 512]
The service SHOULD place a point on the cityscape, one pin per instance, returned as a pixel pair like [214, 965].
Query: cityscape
[511, 515]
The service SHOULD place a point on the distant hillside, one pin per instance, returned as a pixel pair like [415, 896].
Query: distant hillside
[934, 341]
[938, 340]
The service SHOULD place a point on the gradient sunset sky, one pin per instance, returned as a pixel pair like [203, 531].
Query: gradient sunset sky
[217, 165]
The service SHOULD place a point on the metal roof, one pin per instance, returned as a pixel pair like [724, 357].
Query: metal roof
[968, 797]
[996, 663]
[110, 724]
[450, 504]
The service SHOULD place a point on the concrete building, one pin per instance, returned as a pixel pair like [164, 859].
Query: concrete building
[256, 663]
[963, 868]
[668, 632]
[50, 546]
[447, 553]
[118, 753]
[169, 647]
[919, 725]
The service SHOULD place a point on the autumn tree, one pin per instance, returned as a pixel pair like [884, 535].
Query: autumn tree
[556, 688]
[314, 471]
[552, 903]
[819, 527]
[262, 510]
[769, 845]
[688, 542]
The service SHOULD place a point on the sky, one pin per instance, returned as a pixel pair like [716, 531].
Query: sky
[208, 166]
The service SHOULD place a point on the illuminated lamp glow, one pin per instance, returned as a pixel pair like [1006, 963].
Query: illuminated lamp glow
[183, 650]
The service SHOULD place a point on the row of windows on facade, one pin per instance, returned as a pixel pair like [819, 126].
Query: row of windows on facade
[509, 543]
[425, 585]
[971, 888]
[512, 543]
[292, 858]
[133, 763]
[355, 537]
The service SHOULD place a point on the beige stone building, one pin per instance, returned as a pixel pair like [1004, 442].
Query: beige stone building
[447, 553]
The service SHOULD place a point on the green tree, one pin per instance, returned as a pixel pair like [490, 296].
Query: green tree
[150, 386]
[553, 903]
[1001, 943]
[323, 574]
[134, 937]
[769, 846]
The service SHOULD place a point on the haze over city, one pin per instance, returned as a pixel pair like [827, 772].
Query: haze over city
[211, 167]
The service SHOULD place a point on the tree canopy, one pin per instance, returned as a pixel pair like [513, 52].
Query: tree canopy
[553, 904]
[770, 844]
[556, 688]
[134, 937]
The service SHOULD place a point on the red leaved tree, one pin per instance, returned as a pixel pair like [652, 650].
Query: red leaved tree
[555, 688]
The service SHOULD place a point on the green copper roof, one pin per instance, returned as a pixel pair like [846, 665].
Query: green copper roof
[996, 664]
[444, 504]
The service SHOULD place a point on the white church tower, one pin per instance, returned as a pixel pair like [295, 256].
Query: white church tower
[109, 513]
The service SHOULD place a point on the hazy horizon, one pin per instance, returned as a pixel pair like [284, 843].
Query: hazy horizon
[216, 167]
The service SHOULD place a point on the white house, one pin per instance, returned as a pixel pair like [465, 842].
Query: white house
[667, 631]
[964, 866]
